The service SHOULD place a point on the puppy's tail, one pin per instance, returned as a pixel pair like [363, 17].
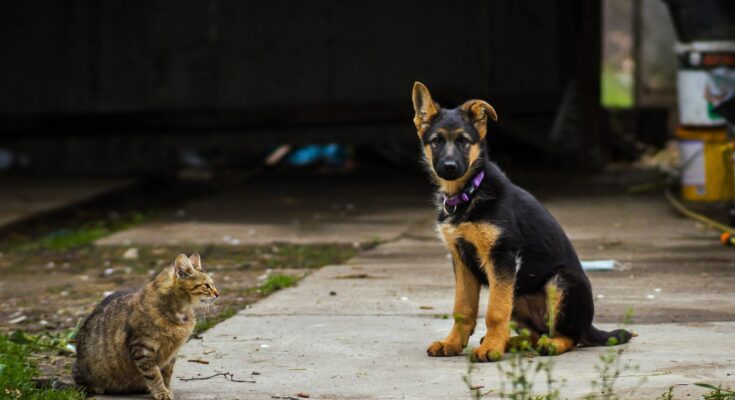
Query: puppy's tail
[595, 337]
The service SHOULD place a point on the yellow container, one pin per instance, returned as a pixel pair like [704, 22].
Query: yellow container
[706, 157]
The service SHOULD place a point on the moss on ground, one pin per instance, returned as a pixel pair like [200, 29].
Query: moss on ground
[17, 374]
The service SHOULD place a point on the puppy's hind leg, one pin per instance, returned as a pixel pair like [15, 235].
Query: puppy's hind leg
[570, 309]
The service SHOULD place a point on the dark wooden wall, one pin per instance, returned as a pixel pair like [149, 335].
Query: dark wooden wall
[235, 63]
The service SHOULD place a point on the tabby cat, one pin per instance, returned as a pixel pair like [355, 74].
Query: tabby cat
[128, 344]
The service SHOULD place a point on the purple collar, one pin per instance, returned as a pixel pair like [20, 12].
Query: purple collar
[465, 195]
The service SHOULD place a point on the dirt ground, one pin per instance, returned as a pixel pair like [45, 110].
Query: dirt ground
[45, 293]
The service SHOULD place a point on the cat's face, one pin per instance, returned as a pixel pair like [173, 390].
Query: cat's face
[191, 279]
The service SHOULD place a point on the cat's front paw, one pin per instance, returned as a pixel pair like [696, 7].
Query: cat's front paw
[165, 394]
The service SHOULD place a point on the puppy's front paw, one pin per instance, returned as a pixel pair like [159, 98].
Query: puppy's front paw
[445, 348]
[491, 349]
[165, 394]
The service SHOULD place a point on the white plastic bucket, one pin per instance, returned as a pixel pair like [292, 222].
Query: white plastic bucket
[705, 77]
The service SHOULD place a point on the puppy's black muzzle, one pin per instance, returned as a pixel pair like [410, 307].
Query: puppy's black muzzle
[450, 169]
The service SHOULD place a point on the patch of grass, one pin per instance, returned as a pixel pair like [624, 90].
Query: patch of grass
[208, 322]
[71, 238]
[308, 256]
[275, 283]
[17, 373]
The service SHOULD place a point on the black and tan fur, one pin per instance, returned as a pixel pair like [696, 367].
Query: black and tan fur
[504, 238]
[128, 344]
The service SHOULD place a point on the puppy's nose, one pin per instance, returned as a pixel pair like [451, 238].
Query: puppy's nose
[450, 166]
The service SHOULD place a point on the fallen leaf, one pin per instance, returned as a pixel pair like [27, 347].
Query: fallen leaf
[302, 395]
[198, 361]
[426, 307]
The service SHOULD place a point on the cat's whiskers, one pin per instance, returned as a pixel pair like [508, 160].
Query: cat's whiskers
[206, 306]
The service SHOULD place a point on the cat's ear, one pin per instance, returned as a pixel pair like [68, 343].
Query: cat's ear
[183, 266]
[196, 261]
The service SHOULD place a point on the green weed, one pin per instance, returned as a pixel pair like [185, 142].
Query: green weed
[667, 395]
[59, 341]
[17, 374]
[71, 238]
[520, 372]
[208, 322]
[275, 283]
[717, 392]
[308, 256]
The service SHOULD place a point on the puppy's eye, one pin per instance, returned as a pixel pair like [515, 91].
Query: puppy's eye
[462, 141]
[436, 141]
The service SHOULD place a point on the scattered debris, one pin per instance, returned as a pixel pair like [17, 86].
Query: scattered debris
[426, 307]
[116, 271]
[255, 373]
[332, 293]
[198, 361]
[227, 375]
[277, 155]
[302, 395]
[131, 254]
[18, 319]
[355, 276]
[599, 265]
[231, 240]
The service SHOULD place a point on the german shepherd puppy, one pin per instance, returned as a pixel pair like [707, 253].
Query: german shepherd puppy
[501, 236]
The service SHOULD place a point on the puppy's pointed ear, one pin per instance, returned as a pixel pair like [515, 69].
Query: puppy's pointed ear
[183, 266]
[196, 261]
[425, 108]
[478, 112]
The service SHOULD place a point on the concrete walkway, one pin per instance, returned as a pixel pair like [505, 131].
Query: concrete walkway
[23, 197]
[326, 209]
[368, 341]
[360, 331]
